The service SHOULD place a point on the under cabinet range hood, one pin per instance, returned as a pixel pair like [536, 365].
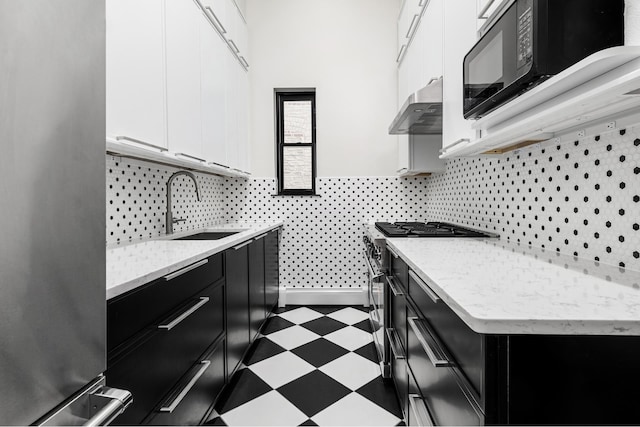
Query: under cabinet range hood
[421, 114]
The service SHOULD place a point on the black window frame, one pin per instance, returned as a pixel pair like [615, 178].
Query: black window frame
[282, 96]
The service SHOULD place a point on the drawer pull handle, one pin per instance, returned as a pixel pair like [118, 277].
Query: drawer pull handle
[261, 236]
[403, 48]
[181, 395]
[168, 326]
[419, 410]
[432, 295]
[242, 245]
[412, 26]
[216, 22]
[394, 288]
[185, 270]
[483, 12]
[429, 344]
[395, 344]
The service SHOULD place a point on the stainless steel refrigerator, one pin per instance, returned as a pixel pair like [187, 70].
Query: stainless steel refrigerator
[52, 214]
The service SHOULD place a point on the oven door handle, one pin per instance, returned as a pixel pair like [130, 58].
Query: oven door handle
[372, 273]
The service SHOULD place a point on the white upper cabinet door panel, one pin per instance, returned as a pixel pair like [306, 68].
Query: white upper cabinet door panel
[431, 41]
[459, 37]
[135, 66]
[183, 25]
[233, 104]
[214, 54]
[243, 121]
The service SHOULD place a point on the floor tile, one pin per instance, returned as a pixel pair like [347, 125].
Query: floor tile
[323, 325]
[320, 352]
[270, 409]
[326, 309]
[365, 325]
[262, 348]
[313, 392]
[349, 315]
[300, 315]
[352, 370]
[278, 370]
[355, 410]
[382, 393]
[368, 351]
[275, 324]
[293, 337]
[350, 338]
[243, 387]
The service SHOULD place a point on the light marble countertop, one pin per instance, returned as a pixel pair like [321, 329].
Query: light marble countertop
[130, 265]
[498, 287]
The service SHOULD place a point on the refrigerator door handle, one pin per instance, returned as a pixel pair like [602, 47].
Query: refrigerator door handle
[116, 400]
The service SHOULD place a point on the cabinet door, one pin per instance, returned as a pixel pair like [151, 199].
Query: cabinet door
[214, 55]
[431, 42]
[271, 268]
[257, 312]
[135, 68]
[404, 163]
[232, 106]
[183, 25]
[459, 37]
[237, 275]
[243, 120]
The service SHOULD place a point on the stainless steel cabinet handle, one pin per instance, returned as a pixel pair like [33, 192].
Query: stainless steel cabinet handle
[395, 344]
[184, 315]
[190, 157]
[233, 45]
[218, 164]
[428, 343]
[242, 245]
[401, 53]
[216, 22]
[176, 401]
[394, 288]
[450, 146]
[484, 9]
[423, 3]
[413, 26]
[427, 290]
[261, 236]
[244, 62]
[186, 269]
[138, 141]
[419, 410]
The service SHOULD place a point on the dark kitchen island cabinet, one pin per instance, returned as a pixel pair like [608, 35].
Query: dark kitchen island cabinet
[448, 374]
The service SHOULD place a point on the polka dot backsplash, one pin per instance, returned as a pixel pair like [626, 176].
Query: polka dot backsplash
[136, 200]
[321, 241]
[580, 198]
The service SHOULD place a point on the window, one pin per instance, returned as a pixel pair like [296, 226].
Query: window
[296, 141]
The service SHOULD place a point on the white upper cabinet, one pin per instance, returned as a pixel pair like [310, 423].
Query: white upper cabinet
[183, 77]
[459, 36]
[213, 57]
[135, 66]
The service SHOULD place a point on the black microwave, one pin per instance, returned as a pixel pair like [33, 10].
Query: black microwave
[532, 41]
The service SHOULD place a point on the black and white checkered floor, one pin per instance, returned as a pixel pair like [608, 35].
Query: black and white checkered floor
[312, 366]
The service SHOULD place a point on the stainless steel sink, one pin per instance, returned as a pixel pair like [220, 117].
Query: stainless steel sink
[208, 235]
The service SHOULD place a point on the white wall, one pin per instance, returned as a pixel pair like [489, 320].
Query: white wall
[346, 50]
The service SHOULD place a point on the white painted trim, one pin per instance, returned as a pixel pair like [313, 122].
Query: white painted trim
[323, 296]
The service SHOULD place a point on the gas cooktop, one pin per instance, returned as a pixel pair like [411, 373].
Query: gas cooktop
[429, 229]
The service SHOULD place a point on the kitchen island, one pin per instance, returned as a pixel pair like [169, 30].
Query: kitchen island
[491, 332]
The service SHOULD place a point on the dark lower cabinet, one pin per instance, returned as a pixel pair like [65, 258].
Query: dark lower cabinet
[271, 269]
[455, 376]
[257, 309]
[237, 276]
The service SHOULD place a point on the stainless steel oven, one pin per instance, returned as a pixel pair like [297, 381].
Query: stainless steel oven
[375, 260]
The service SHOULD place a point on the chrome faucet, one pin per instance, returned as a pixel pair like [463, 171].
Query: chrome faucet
[170, 219]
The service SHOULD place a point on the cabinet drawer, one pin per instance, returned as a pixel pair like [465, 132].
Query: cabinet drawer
[465, 345]
[153, 362]
[189, 402]
[447, 399]
[399, 270]
[397, 310]
[125, 315]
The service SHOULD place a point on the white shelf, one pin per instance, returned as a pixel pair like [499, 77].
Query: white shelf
[123, 149]
[595, 89]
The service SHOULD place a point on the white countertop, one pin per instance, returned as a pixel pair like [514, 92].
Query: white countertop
[131, 265]
[498, 287]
